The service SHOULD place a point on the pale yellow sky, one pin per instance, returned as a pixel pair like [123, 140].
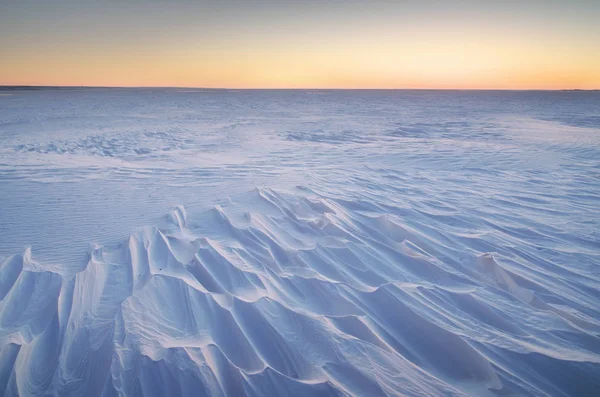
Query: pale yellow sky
[385, 46]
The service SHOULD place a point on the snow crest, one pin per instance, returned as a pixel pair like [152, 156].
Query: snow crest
[294, 295]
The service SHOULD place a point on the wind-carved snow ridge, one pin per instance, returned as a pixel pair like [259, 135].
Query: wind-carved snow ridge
[289, 295]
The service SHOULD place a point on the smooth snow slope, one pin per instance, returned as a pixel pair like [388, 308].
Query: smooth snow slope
[291, 243]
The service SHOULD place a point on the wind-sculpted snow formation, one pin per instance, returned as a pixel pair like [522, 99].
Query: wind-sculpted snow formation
[344, 244]
[299, 297]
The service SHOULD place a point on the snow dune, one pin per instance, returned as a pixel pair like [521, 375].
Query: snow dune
[416, 258]
[308, 296]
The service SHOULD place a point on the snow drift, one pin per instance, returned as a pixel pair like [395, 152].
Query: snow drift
[299, 297]
[345, 244]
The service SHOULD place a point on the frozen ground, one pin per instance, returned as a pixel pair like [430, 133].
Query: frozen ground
[293, 243]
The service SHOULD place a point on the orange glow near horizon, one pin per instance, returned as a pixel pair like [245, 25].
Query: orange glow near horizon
[422, 68]
[441, 53]
[335, 70]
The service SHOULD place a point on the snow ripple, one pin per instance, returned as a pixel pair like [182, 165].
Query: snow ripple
[296, 295]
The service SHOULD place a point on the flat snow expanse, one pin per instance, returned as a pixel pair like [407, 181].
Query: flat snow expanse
[164, 242]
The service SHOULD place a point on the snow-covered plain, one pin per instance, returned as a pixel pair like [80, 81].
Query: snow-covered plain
[165, 242]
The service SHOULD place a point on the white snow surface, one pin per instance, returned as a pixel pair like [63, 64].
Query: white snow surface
[164, 242]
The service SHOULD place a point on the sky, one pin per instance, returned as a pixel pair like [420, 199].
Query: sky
[302, 44]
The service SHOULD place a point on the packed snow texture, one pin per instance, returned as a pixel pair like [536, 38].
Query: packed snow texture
[290, 243]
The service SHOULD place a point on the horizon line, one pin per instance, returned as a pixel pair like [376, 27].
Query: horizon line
[34, 86]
